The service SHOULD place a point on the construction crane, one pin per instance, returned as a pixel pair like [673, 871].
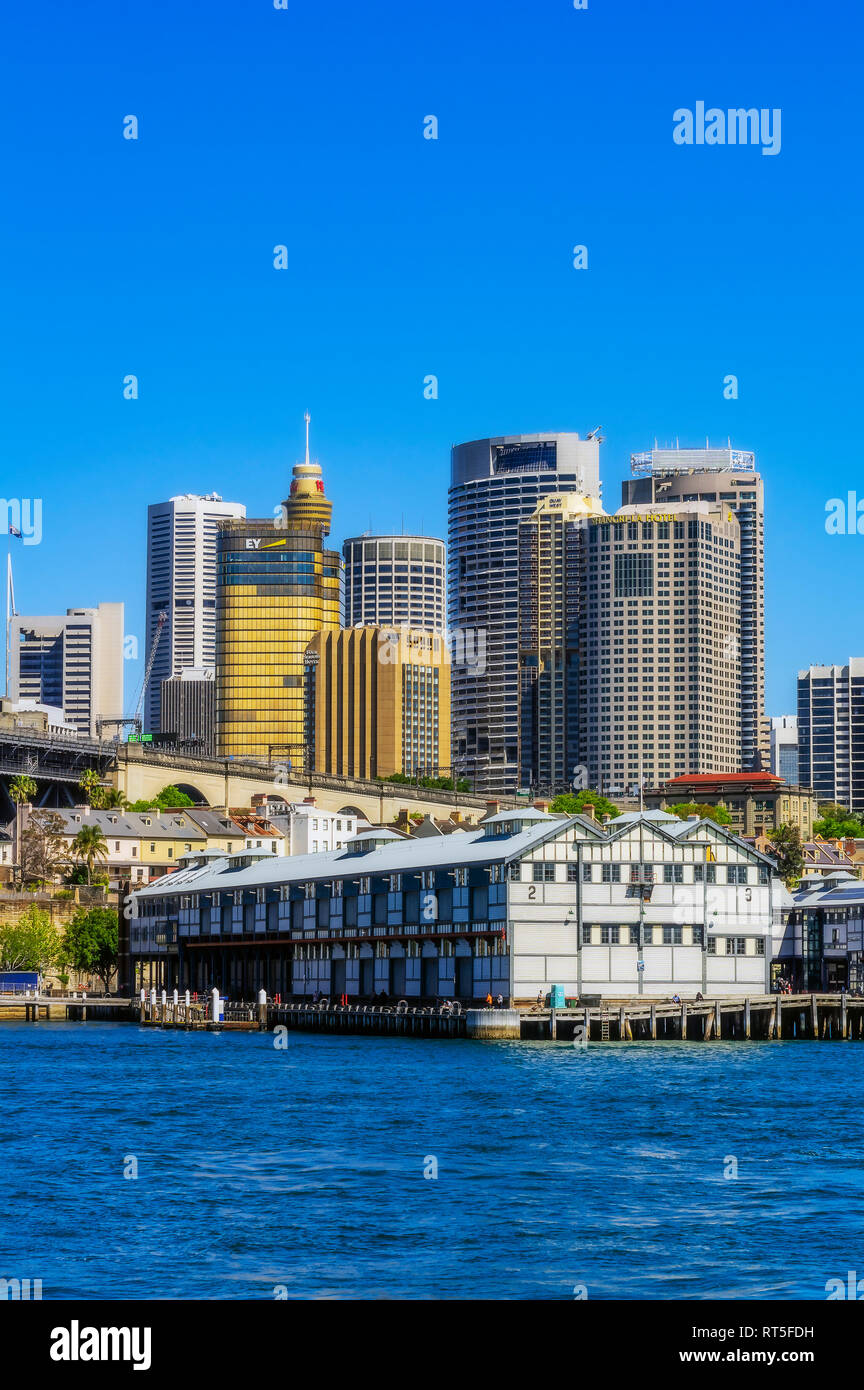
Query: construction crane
[139, 708]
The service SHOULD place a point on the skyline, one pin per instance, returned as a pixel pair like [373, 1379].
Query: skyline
[409, 257]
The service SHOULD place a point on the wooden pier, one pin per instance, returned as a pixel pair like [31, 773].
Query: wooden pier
[762, 1017]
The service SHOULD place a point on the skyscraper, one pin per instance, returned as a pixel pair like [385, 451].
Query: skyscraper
[831, 732]
[728, 476]
[181, 582]
[660, 615]
[378, 702]
[784, 748]
[74, 663]
[395, 580]
[550, 633]
[277, 587]
[496, 484]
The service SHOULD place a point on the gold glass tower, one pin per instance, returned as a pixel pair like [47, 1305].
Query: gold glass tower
[277, 588]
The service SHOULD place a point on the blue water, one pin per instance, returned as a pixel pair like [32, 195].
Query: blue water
[304, 1168]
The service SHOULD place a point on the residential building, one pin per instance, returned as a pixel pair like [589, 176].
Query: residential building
[757, 801]
[73, 663]
[726, 476]
[182, 536]
[497, 483]
[659, 625]
[277, 587]
[784, 748]
[309, 829]
[645, 906]
[391, 581]
[831, 732]
[188, 710]
[378, 703]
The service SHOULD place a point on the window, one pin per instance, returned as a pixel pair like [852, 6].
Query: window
[634, 936]
[572, 873]
[673, 873]
[610, 873]
[586, 873]
[515, 873]
[711, 947]
[610, 935]
[698, 936]
[641, 873]
[736, 946]
[673, 936]
[736, 873]
[544, 873]
[760, 946]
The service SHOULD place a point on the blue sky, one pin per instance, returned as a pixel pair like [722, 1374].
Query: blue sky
[410, 257]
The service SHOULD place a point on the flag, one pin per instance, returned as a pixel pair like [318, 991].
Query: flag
[13, 531]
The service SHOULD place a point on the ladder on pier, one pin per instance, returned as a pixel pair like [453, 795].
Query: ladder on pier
[604, 1026]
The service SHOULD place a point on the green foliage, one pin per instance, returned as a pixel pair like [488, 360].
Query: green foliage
[718, 814]
[90, 942]
[444, 784]
[169, 799]
[89, 848]
[788, 850]
[571, 803]
[837, 822]
[22, 789]
[30, 943]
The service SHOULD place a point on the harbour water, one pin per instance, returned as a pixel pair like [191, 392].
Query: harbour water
[605, 1172]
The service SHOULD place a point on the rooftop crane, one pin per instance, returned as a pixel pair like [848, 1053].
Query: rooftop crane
[139, 708]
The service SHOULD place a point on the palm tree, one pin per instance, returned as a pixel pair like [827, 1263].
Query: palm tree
[92, 788]
[21, 789]
[88, 847]
[115, 800]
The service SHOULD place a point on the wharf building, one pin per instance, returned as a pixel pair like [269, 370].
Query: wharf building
[182, 543]
[496, 484]
[831, 732]
[641, 906]
[378, 703]
[277, 587]
[823, 943]
[72, 663]
[727, 476]
[395, 580]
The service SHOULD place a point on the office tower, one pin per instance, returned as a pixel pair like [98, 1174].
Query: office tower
[277, 587]
[181, 582]
[390, 580]
[188, 710]
[550, 546]
[728, 475]
[784, 748]
[74, 663]
[659, 680]
[378, 702]
[495, 485]
[831, 732]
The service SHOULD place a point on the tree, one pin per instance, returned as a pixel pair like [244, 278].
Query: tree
[43, 847]
[786, 841]
[169, 799]
[22, 789]
[718, 814]
[89, 848]
[114, 800]
[90, 943]
[31, 943]
[837, 822]
[572, 802]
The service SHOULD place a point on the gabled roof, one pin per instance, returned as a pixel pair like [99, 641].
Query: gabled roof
[671, 828]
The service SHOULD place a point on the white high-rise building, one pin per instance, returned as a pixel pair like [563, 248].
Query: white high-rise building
[181, 582]
[72, 662]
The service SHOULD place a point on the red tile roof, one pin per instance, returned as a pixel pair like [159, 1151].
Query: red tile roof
[705, 778]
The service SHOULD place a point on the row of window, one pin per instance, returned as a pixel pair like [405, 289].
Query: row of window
[639, 873]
